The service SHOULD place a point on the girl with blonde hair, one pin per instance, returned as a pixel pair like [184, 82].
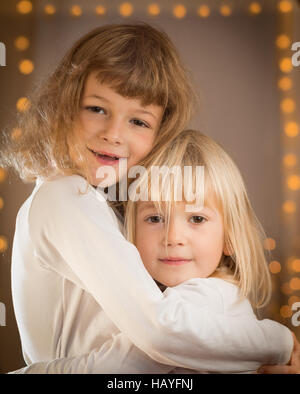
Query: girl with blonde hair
[208, 260]
[119, 95]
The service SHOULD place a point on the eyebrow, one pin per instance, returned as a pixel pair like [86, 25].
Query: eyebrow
[141, 111]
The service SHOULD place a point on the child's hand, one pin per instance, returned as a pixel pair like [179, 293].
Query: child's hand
[293, 366]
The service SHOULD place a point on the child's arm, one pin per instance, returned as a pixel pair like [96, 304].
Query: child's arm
[116, 356]
[82, 230]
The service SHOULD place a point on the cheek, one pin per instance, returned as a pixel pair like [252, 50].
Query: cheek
[141, 146]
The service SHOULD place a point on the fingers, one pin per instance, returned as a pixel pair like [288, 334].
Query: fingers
[277, 369]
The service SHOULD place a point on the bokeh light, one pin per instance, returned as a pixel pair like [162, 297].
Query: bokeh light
[285, 6]
[295, 265]
[225, 10]
[23, 104]
[255, 8]
[26, 66]
[269, 244]
[295, 283]
[285, 288]
[49, 9]
[3, 244]
[285, 311]
[24, 7]
[274, 267]
[1, 203]
[76, 10]
[293, 182]
[289, 206]
[203, 11]
[286, 65]
[16, 133]
[290, 160]
[283, 41]
[22, 43]
[126, 9]
[153, 9]
[285, 83]
[287, 105]
[291, 129]
[179, 11]
[100, 10]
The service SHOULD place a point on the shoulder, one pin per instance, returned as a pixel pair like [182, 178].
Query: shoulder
[201, 291]
[67, 199]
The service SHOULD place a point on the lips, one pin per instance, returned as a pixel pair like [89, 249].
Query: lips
[102, 154]
[175, 261]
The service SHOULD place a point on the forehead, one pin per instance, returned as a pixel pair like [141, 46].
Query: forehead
[95, 88]
[145, 206]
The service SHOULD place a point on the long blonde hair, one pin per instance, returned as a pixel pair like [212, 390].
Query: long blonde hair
[136, 60]
[243, 234]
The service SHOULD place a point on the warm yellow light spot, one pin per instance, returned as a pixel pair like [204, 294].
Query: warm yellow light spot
[49, 9]
[285, 311]
[24, 7]
[3, 244]
[21, 43]
[290, 160]
[295, 266]
[23, 104]
[26, 66]
[285, 288]
[2, 174]
[289, 206]
[225, 10]
[76, 10]
[287, 105]
[179, 11]
[295, 283]
[16, 133]
[204, 11]
[126, 9]
[274, 267]
[291, 129]
[1, 203]
[100, 10]
[285, 6]
[269, 244]
[153, 9]
[293, 299]
[254, 8]
[285, 83]
[283, 41]
[286, 65]
[293, 182]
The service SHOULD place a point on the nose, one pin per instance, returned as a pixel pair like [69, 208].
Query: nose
[112, 132]
[175, 235]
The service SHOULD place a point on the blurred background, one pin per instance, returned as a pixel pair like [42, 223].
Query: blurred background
[239, 56]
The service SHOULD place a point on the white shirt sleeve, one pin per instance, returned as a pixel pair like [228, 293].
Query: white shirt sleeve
[83, 232]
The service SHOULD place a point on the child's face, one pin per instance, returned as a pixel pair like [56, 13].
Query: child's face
[113, 125]
[195, 242]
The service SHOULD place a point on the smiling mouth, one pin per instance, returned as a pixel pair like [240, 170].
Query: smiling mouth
[175, 261]
[106, 156]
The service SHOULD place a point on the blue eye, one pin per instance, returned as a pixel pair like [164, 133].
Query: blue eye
[139, 123]
[154, 219]
[95, 109]
[197, 219]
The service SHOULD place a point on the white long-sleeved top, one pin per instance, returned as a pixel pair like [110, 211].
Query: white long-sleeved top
[80, 288]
